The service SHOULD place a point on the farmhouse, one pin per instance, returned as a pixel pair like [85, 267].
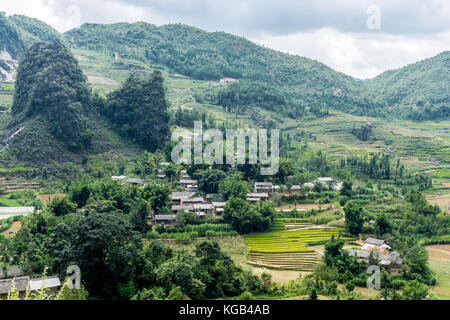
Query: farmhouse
[263, 187]
[187, 208]
[203, 208]
[125, 179]
[225, 81]
[187, 182]
[296, 188]
[52, 283]
[192, 201]
[166, 218]
[372, 244]
[21, 283]
[192, 188]
[218, 207]
[161, 174]
[134, 181]
[391, 260]
[178, 196]
[11, 272]
[8, 212]
[308, 185]
[325, 181]
[118, 178]
[257, 196]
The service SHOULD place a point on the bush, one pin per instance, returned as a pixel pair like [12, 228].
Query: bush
[152, 235]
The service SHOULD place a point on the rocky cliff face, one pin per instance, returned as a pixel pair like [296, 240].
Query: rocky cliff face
[8, 67]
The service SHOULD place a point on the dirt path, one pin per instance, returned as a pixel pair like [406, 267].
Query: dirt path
[46, 198]
[11, 232]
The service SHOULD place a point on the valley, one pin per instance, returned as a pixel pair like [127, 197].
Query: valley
[91, 155]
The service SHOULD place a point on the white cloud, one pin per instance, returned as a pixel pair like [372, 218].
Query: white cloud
[359, 55]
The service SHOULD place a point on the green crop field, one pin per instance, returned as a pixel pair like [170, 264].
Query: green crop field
[287, 250]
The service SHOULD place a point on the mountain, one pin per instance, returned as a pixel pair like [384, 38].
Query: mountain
[10, 41]
[33, 30]
[52, 99]
[421, 91]
[214, 55]
[11, 46]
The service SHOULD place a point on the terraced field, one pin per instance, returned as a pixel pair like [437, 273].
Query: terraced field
[288, 250]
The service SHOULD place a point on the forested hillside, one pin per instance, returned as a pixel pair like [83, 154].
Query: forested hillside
[51, 97]
[418, 92]
[421, 91]
[33, 30]
[212, 56]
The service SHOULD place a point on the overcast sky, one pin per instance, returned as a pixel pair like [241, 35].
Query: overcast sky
[361, 38]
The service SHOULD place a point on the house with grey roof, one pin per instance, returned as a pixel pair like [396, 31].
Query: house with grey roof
[263, 187]
[52, 283]
[8, 212]
[10, 272]
[390, 261]
[22, 283]
[166, 218]
[178, 196]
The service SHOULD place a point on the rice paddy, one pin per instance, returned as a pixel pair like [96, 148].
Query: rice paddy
[288, 249]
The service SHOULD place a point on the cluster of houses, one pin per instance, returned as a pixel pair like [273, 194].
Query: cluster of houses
[380, 251]
[125, 179]
[268, 187]
[203, 206]
[22, 283]
[325, 181]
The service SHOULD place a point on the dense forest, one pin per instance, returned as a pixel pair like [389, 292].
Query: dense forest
[138, 110]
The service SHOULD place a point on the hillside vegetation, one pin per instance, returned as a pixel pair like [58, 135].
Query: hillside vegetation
[421, 91]
[9, 38]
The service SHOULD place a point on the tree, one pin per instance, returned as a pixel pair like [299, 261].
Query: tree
[61, 206]
[414, 290]
[313, 293]
[139, 215]
[234, 186]
[107, 249]
[209, 180]
[354, 218]
[218, 271]
[347, 188]
[157, 194]
[266, 280]
[177, 294]
[286, 168]
[382, 225]
[245, 217]
[333, 249]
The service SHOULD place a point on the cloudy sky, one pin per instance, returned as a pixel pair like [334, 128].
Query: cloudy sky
[361, 38]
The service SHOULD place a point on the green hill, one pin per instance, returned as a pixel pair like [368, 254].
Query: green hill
[214, 55]
[53, 119]
[33, 30]
[420, 91]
